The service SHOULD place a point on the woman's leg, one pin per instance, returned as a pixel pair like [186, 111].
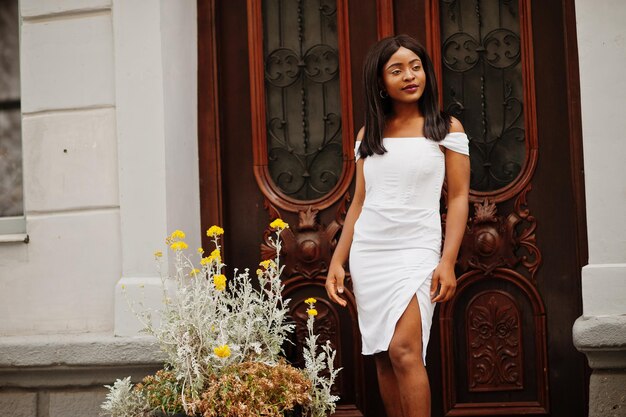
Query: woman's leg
[388, 385]
[405, 354]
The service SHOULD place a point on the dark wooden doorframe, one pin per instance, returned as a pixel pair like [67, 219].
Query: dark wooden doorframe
[209, 149]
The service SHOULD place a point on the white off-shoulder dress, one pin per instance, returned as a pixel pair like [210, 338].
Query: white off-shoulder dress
[397, 237]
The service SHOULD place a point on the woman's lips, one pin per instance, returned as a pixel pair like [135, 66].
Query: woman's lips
[410, 88]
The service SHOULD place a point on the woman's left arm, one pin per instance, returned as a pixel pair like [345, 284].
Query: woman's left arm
[458, 178]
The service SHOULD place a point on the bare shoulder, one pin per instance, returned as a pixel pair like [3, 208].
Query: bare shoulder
[455, 125]
[361, 134]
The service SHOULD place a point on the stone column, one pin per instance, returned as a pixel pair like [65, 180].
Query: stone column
[156, 107]
[601, 332]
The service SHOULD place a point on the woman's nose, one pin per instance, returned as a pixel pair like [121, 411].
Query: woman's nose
[408, 75]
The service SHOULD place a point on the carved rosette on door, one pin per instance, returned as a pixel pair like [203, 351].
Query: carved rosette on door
[304, 163]
[493, 332]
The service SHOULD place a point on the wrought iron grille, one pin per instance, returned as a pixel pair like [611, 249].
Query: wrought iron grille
[302, 95]
[483, 86]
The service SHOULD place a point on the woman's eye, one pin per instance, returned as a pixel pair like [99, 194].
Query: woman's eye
[396, 72]
[416, 68]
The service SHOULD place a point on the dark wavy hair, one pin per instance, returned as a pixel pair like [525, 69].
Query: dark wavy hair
[437, 122]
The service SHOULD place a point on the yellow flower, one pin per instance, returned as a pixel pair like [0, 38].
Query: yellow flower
[179, 245]
[220, 282]
[310, 300]
[177, 234]
[222, 351]
[312, 312]
[123, 286]
[214, 231]
[267, 263]
[194, 272]
[200, 251]
[205, 261]
[215, 256]
[279, 224]
[259, 272]
[158, 254]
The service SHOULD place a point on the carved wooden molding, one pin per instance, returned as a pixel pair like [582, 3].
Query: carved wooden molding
[210, 168]
[307, 246]
[433, 41]
[384, 13]
[493, 241]
[258, 111]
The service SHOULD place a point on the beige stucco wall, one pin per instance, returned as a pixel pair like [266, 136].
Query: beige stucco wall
[109, 102]
[110, 159]
[63, 280]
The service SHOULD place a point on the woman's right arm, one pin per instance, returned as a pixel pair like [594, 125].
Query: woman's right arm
[336, 271]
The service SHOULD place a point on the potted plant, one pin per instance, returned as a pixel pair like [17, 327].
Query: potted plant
[223, 341]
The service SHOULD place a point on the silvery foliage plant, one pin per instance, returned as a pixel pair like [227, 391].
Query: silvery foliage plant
[207, 323]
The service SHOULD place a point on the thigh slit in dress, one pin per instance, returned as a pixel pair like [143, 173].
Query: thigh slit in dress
[397, 238]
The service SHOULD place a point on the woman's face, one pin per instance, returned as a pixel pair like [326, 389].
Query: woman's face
[403, 77]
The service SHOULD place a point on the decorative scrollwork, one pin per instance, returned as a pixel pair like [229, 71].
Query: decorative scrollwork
[306, 173]
[282, 67]
[303, 106]
[321, 63]
[328, 8]
[482, 86]
[460, 52]
[502, 48]
[493, 241]
[526, 240]
[489, 242]
[495, 360]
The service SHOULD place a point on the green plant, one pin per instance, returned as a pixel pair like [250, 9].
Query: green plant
[162, 392]
[227, 332]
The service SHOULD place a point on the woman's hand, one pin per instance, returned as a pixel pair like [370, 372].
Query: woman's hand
[445, 280]
[334, 283]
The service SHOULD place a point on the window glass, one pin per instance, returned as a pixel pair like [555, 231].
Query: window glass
[11, 194]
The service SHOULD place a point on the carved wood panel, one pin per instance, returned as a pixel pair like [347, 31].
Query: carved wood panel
[494, 341]
[494, 346]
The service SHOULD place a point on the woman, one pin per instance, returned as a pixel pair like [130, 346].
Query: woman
[392, 231]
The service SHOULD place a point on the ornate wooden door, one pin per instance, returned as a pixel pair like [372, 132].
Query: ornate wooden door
[279, 142]
[508, 71]
[279, 100]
